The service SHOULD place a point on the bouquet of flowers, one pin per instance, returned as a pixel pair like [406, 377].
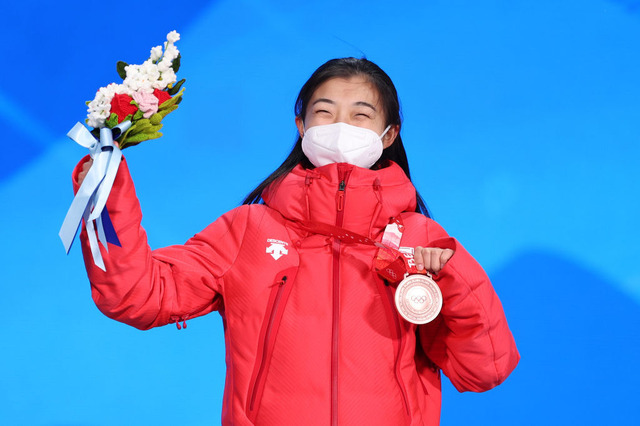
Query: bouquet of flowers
[146, 95]
[126, 113]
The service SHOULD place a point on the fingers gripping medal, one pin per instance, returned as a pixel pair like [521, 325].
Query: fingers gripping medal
[418, 298]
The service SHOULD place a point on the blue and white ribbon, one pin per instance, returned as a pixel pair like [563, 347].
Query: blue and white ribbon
[91, 198]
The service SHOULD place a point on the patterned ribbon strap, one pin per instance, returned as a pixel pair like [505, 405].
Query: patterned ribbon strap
[92, 195]
[390, 262]
[404, 261]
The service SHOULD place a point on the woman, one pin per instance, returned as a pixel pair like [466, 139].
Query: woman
[311, 330]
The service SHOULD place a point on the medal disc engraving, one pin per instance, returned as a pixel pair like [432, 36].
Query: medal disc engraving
[418, 299]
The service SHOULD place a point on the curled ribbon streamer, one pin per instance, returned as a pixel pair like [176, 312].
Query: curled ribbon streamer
[91, 198]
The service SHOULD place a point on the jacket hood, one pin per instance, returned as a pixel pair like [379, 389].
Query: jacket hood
[369, 199]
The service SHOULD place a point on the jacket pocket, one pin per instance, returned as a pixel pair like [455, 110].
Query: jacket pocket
[280, 290]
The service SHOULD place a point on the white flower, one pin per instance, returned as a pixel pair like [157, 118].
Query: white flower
[171, 52]
[150, 70]
[173, 36]
[156, 53]
[164, 65]
[168, 77]
[141, 78]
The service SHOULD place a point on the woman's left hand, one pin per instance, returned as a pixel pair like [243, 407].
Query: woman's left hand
[432, 259]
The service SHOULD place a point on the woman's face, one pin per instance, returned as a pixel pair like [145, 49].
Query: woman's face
[353, 101]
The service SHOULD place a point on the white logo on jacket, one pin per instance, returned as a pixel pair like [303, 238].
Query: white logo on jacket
[277, 248]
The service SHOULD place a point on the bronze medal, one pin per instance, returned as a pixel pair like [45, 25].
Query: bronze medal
[418, 299]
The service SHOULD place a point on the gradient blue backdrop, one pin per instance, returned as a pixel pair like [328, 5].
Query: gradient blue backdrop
[522, 125]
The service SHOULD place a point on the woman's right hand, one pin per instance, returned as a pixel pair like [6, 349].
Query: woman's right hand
[85, 169]
[432, 259]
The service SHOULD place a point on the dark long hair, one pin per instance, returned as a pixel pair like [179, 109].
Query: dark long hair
[346, 68]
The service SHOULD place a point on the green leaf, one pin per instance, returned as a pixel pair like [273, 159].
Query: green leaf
[170, 102]
[156, 118]
[141, 128]
[140, 137]
[174, 89]
[141, 122]
[163, 113]
[175, 64]
[144, 126]
[138, 115]
[112, 121]
[152, 129]
[120, 68]
[138, 126]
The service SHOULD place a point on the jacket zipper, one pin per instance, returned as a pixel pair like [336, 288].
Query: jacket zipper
[267, 337]
[343, 175]
[396, 319]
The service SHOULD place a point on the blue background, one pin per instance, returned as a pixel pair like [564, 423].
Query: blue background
[522, 125]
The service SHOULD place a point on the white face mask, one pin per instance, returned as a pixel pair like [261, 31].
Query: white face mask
[342, 143]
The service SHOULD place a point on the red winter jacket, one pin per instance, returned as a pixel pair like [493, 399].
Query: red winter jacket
[311, 331]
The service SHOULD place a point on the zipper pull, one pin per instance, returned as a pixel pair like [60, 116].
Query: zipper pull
[177, 319]
[340, 200]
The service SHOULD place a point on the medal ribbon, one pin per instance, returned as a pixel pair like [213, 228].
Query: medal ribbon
[391, 238]
[390, 263]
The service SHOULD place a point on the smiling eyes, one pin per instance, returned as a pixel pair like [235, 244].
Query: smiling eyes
[327, 113]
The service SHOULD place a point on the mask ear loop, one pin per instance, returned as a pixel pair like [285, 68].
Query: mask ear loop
[385, 131]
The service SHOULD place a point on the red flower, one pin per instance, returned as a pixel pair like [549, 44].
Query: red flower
[161, 95]
[121, 105]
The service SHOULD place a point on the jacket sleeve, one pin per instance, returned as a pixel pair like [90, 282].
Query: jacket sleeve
[148, 288]
[470, 339]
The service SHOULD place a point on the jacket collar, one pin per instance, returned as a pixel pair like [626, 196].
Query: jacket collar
[369, 199]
